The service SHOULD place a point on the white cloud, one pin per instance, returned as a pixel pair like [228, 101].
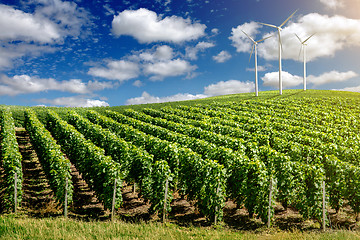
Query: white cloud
[69, 17]
[220, 88]
[18, 25]
[331, 34]
[138, 83]
[229, 87]
[74, 102]
[223, 56]
[109, 10]
[172, 68]
[35, 33]
[349, 89]
[288, 80]
[11, 52]
[239, 39]
[329, 77]
[157, 62]
[117, 70]
[161, 53]
[259, 69]
[333, 4]
[50, 22]
[215, 31]
[191, 52]
[147, 98]
[146, 26]
[164, 2]
[23, 84]
[164, 52]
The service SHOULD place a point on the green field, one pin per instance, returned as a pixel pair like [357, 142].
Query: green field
[215, 163]
[12, 227]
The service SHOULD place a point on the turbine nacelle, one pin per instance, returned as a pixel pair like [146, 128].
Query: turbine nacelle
[303, 43]
[279, 28]
[303, 47]
[254, 47]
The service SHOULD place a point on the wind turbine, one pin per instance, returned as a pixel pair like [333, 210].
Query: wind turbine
[280, 46]
[303, 45]
[254, 49]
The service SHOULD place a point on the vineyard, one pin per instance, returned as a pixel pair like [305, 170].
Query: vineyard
[297, 152]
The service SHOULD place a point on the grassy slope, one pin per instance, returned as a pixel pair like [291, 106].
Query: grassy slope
[59, 228]
[14, 227]
[267, 95]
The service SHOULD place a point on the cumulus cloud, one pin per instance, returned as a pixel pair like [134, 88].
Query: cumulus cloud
[215, 31]
[74, 102]
[288, 80]
[116, 70]
[239, 39]
[172, 68]
[23, 84]
[36, 32]
[332, 4]
[69, 17]
[223, 56]
[159, 62]
[349, 89]
[147, 98]
[147, 27]
[220, 88]
[192, 52]
[229, 87]
[50, 22]
[138, 83]
[332, 34]
[18, 25]
[330, 77]
[161, 53]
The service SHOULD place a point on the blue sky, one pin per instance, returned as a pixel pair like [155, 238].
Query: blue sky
[109, 53]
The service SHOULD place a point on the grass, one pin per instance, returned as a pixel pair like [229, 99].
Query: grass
[22, 227]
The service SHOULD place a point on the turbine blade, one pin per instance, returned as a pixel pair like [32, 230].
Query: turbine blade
[249, 37]
[264, 39]
[270, 25]
[252, 50]
[298, 38]
[288, 19]
[308, 38]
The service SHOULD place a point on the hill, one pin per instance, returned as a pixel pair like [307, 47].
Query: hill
[239, 159]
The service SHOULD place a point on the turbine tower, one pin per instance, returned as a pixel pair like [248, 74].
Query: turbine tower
[254, 49]
[280, 46]
[303, 46]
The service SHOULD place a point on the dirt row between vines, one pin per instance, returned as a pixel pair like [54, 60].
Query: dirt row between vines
[38, 201]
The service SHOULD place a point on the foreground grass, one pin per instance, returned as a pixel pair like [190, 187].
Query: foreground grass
[22, 227]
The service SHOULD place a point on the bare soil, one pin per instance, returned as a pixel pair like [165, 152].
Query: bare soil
[38, 197]
[85, 203]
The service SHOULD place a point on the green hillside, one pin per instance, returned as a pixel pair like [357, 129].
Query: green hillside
[237, 160]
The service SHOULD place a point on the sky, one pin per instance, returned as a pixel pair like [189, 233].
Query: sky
[87, 53]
